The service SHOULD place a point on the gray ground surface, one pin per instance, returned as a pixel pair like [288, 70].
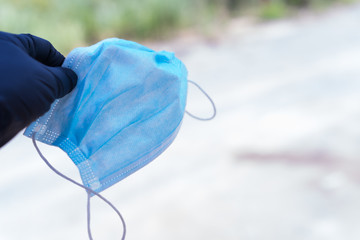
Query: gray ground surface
[281, 161]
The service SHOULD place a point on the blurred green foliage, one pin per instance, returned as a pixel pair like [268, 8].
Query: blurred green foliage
[273, 9]
[71, 23]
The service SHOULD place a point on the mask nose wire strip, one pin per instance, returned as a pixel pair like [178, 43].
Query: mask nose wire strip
[211, 101]
[89, 190]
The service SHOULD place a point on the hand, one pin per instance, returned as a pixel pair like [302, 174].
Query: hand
[31, 78]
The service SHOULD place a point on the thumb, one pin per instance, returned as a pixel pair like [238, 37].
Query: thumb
[65, 80]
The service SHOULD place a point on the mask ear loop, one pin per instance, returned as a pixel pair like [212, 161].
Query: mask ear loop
[88, 215]
[211, 101]
[88, 190]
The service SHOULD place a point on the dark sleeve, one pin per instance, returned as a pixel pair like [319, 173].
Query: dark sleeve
[10, 124]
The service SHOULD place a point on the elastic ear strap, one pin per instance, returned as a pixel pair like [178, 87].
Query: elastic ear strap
[211, 101]
[89, 191]
[88, 216]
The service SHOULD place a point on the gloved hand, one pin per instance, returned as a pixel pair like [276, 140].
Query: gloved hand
[30, 80]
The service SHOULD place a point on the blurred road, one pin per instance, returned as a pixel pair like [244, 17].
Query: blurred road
[281, 160]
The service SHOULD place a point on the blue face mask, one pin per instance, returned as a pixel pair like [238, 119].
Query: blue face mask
[126, 109]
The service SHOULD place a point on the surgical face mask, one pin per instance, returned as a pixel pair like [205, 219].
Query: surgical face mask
[126, 109]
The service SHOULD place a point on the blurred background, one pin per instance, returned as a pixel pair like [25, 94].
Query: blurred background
[71, 23]
[280, 161]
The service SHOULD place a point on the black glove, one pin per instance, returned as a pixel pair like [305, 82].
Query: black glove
[30, 80]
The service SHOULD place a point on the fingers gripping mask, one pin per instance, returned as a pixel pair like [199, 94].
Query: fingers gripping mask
[126, 109]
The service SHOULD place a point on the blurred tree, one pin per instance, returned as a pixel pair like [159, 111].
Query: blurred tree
[298, 3]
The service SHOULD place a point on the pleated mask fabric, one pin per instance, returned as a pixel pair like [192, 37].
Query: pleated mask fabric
[126, 110]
